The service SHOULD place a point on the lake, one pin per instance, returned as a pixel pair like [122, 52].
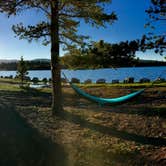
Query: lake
[108, 74]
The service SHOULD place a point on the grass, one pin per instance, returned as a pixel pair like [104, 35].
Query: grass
[9, 80]
[9, 87]
[124, 85]
[129, 134]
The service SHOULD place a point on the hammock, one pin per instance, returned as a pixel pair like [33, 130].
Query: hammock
[103, 101]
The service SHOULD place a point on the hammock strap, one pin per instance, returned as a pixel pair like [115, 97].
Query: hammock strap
[66, 78]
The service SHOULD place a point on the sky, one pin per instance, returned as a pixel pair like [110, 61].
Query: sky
[129, 26]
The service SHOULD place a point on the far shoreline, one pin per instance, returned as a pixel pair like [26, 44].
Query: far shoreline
[86, 68]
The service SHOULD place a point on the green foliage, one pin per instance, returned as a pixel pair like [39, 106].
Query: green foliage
[157, 18]
[75, 59]
[35, 80]
[22, 70]
[59, 26]
[70, 12]
[44, 80]
[102, 55]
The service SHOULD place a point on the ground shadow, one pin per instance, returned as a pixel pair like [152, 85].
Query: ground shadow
[111, 131]
[125, 107]
[143, 111]
[35, 97]
[30, 97]
[26, 146]
[22, 145]
[25, 97]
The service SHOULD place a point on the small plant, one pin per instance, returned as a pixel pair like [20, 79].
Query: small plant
[44, 80]
[22, 70]
[35, 80]
[50, 80]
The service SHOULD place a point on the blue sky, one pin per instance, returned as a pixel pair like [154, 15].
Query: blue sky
[129, 26]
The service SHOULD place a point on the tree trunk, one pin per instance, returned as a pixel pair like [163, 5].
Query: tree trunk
[55, 65]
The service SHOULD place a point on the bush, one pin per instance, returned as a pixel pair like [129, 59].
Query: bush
[144, 80]
[35, 80]
[115, 81]
[88, 81]
[129, 80]
[75, 80]
[44, 80]
[159, 80]
[50, 80]
[101, 81]
[26, 78]
[11, 77]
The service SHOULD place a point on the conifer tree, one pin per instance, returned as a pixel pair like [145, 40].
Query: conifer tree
[60, 26]
[156, 38]
[22, 70]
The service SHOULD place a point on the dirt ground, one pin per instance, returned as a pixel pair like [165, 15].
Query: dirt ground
[132, 133]
[21, 145]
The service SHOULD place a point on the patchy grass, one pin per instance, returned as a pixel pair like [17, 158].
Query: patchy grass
[9, 80]
[9, 87]
[133, 133]
[125, 85]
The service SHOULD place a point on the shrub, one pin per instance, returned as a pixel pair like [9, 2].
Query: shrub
[26, 78]
[75, 80]
[35, 80]
[101, 81]
[88, 81]
[144, 80]
[115, 81]
[129, 80]
[44, 80]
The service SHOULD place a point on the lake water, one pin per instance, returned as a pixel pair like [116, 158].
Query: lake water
[108, 74]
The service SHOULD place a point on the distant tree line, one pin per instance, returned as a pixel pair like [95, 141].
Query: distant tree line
[38, 65]
[8, 66]
[32, 65]
[105, 55]
[96, 55]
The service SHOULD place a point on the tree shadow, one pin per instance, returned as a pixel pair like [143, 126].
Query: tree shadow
[140, 105]
[28, 147]
[143, 111]
[112, 131]
[34, 97]
[23, 145]
[25, 97]
[132, 107]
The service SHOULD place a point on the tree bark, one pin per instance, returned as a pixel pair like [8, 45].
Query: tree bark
[55, 65]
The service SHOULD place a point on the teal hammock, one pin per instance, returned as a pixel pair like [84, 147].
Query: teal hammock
[103, 101]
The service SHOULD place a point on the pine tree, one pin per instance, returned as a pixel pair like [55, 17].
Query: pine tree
[157, 18]
[60, 27]
[22, 70]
